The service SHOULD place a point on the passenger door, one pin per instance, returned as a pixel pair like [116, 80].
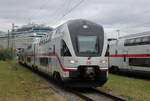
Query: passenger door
[125, 63]
[65, 53]
[62, 45]
[53, 59]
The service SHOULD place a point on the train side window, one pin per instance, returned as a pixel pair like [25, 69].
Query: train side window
[116, 52]
[141, 62]
[124, 58]
[107, 51]
[129, 42]
[53, 48]
[146, 40]
[50, 60]
[149, 40]
[138, 41]
[44, 61]
[132, 42]
[29, 59]
[64, 49]
[126, 43]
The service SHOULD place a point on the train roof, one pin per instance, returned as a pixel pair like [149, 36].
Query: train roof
[136, 35]
[76, 22]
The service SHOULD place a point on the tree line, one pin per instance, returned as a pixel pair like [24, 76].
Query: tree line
[6, 53]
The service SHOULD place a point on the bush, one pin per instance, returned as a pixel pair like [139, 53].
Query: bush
[5, 54]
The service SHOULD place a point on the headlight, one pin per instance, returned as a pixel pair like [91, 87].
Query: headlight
[72, 61]
[103, 61]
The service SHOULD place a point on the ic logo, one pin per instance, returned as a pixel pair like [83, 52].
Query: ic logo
[88, 63]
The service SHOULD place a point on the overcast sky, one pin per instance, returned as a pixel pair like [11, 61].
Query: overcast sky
[128, 16]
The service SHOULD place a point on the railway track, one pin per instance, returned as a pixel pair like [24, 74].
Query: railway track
[78, 94]
[115, 97]
[93, 94]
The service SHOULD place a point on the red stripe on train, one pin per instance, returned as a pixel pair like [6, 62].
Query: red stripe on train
[129, 55]
[56, 55]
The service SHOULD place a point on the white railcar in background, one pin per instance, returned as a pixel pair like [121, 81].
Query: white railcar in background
[130, 53]
[73, 53]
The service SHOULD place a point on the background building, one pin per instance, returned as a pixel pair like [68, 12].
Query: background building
[22, 36]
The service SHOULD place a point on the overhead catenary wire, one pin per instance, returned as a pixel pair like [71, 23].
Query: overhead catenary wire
[43, 6]
[69, 11]
[40, 8]
[53, 15]
[62, 8]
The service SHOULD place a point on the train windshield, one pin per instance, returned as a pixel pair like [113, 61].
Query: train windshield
[87, 44]
[87, 41]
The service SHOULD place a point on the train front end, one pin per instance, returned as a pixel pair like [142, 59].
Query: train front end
[83, 54]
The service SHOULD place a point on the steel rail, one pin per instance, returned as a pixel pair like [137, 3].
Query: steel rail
[113, 96]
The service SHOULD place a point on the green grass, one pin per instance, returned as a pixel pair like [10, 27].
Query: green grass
[22, 85]
[131, 88]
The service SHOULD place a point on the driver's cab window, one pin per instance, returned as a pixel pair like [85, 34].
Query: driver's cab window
[64, 49]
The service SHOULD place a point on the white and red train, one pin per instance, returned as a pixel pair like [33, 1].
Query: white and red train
[73, 53]
[130, 53]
